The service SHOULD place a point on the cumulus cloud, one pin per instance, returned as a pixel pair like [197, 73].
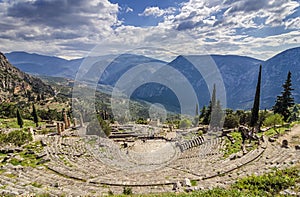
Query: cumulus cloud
[293, 23]
[59, 13]
[157, 12]
[234, 14]
[72, 28]
[56, 21]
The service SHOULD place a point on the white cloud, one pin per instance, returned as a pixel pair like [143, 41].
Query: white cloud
[157, 12]
[221, 27]
[293, 23]
[129, 9]
[30, 25]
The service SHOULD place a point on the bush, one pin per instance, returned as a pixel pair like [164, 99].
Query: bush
[271, 183]
[185, 123]
[141, 121]
[231, 121]
[273, 120]
[8, 110]
[17, 137]
[127, 190]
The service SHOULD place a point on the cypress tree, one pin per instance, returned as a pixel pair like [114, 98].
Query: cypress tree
[196, 119]
[35, 116]
[19, 119]
[255, 109]
[214, 98]
[285, 100]
[202, 114]
[216, 115]
[211, 106]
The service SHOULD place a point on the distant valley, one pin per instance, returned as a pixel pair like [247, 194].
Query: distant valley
[239, 75]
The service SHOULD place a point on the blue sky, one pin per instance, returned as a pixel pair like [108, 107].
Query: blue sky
[131, 11]
[71, 29]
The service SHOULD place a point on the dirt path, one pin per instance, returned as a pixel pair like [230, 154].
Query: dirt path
[293, 136]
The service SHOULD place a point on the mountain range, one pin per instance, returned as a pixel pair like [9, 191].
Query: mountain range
[16, 85]
[239, 75]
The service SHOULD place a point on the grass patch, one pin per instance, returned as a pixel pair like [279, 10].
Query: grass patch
[294, 123]
[194, 183]
[15, 162]
[235, 147]
[16, 137]
[29, 160]
[2, 155]
[269, 184]
[28, 156]
[92, 141]
[11, 176]
[35, 184]
[2, 171]
[44, 131]
[281, 130]
[12, 123]
[272, 132]
[43, 195]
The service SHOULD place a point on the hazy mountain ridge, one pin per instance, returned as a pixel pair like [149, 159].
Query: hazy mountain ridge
[44, 65]
[16, 85]
[239, 75]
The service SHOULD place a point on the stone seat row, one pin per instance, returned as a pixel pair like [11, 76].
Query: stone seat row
[191, 143]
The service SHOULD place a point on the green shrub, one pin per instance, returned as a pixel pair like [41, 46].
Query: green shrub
[270, 183]
[16, 137]
[127, 190]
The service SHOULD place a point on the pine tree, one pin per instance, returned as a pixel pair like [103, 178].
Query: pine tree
[255, 109]
[285, 100]
[35, 116]
[19, 119]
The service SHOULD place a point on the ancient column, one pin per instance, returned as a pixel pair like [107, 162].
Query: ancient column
[74, 122]
[65, 120]
[81, 121]
[68, 122]
[58, 128]
[62, 126]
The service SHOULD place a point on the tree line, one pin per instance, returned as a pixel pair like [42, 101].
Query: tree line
[284, 109]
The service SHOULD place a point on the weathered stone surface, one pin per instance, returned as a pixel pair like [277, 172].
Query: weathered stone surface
[177, 186]
[288, 192]
[187, 182]
[233, 157]
[77, 166]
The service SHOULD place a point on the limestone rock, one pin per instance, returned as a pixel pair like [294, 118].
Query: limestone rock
[187, 182]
